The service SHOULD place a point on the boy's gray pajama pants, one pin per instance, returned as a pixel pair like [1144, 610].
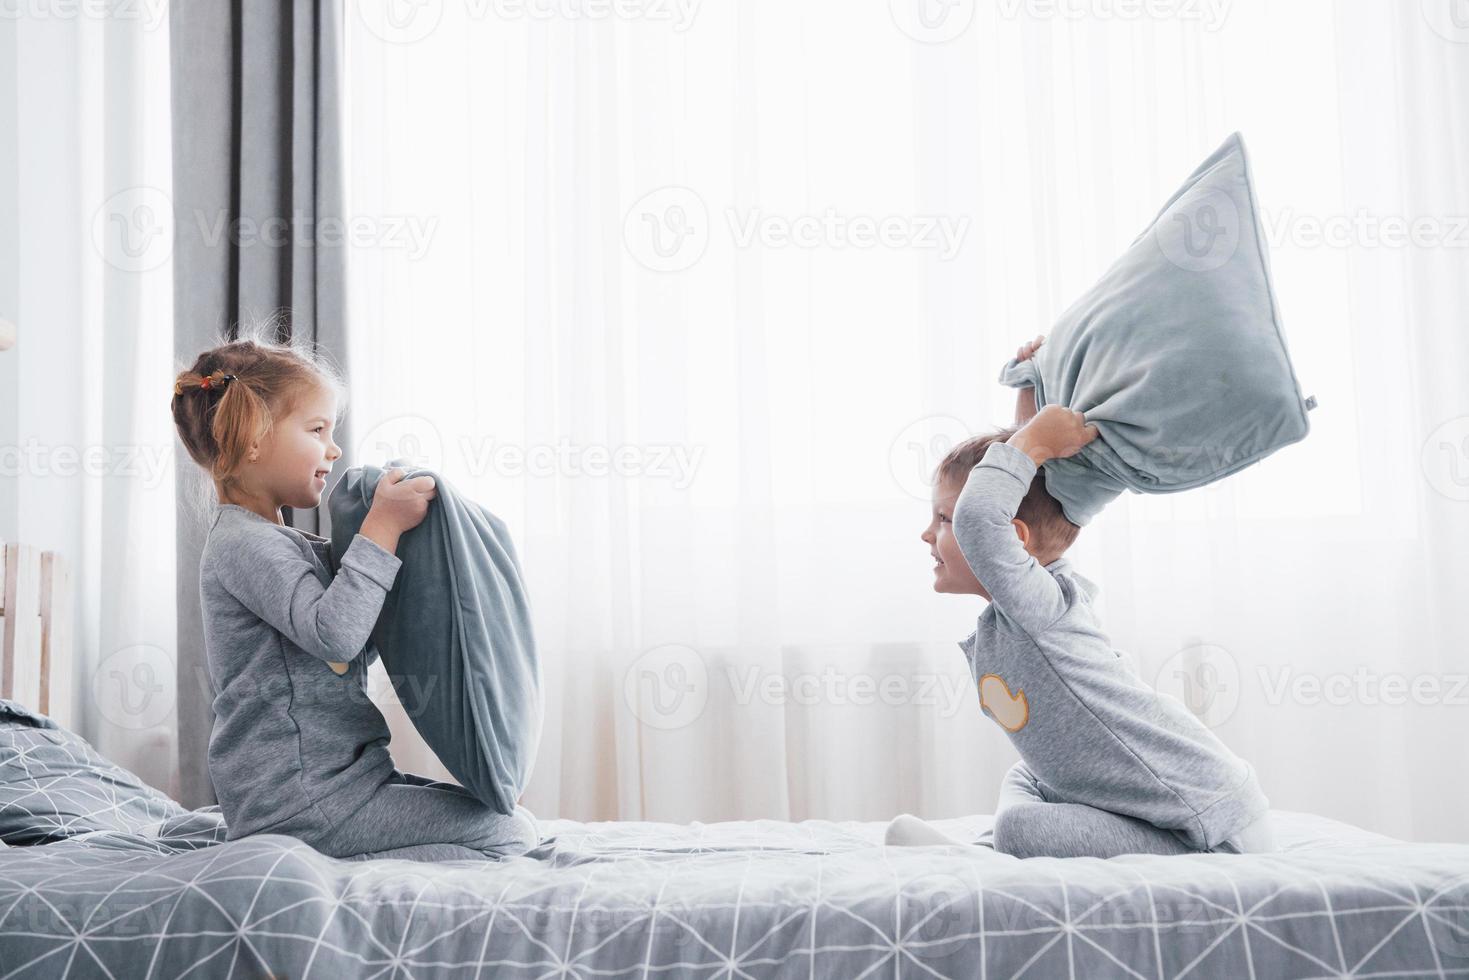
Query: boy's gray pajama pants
[1030, 824]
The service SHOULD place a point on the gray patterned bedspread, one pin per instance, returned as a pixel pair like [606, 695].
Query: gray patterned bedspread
[754, 899]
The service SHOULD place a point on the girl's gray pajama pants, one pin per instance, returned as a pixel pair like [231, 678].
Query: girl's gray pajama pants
[415, 818]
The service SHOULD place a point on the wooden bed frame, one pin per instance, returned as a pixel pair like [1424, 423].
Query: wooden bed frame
[35, 622]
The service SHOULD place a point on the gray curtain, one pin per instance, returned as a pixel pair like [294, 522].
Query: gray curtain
[256, 141]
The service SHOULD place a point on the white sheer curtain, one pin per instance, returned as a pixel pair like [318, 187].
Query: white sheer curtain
[695, 295]
[91, 467]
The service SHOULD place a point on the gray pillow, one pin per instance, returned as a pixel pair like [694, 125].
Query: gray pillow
[1176, 354]
[54, 785]
[455, 636]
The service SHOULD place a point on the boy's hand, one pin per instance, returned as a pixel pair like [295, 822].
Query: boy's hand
[1027, 350]
[1054, 433]
[1025, 397]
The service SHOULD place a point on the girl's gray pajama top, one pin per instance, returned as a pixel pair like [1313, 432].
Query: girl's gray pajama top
[297, 747]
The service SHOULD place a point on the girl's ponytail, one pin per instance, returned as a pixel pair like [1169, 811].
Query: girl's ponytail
[241, 419]
[228, 400]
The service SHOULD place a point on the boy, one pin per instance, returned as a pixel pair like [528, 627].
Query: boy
[1108, 766]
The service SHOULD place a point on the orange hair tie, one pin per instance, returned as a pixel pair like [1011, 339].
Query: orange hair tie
[206, 382]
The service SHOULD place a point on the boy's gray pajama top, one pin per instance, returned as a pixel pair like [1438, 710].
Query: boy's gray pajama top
[298, 748]
[1086, 726]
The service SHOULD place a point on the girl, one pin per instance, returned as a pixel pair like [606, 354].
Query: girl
[298, 748]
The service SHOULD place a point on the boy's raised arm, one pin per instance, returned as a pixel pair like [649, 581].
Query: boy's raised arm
[1017, 583]
[1024, 405]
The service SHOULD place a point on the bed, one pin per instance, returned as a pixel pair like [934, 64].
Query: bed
[109, 878]
[103, 876]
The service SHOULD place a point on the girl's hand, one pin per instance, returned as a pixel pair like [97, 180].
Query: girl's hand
[1027, 350]
[398, 505]
[1054, 433]
[403, 504]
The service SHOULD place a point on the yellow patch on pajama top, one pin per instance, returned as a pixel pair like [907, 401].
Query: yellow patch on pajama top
[1012, 711]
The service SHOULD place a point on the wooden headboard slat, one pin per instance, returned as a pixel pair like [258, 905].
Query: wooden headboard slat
[35, 634]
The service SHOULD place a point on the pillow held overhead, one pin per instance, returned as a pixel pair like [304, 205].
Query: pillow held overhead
[1176, 354]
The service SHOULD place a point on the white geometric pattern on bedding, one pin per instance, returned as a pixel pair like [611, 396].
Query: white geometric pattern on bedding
[751, 899]
[54, 785]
